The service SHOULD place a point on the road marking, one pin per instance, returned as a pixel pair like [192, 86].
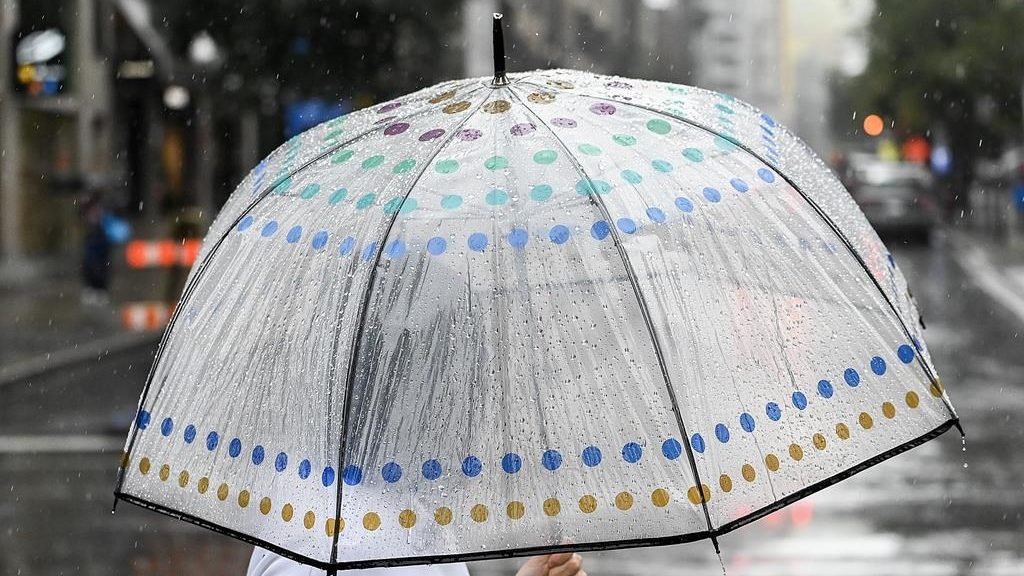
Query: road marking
[60, 444]
[61, 359]
[1003, 288]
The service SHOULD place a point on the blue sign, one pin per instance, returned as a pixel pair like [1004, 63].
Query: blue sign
[304, 114]
[941, 160]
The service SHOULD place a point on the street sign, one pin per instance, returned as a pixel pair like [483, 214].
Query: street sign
[39, 66]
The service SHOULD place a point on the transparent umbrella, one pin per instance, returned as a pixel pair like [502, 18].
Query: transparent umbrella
[550, 310]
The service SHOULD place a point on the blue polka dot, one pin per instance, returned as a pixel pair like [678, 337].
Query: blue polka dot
[511, 463]
[234, 447]
[799, 400]
[671, 448]
[627, 225]
[257, 455]
[167, 426]
[268, 229]
[477, 241]
[368, 252]
[559, 234]
[327, 478]
[739, 185]
[391, 472]
[852, 377]
[551, 459]
[722, 433]
[352, 475]
[212, 439]
[190, 434]
[471, 466]
[600, 230]
[304, 469]
[697, 443]
[395, 249]
[245, 223]
[431, 469]
[825, 389]
[142, 420]
[768, 119]
[773, 411]
[905, 353]
[661, 165]
[747, 422]
[346, 246]
[518, 237]
[631, 177]
[766, 175]
[437, 245]
[294, 234]
[632, 452]
[591, 456]
[656, 215]
[319, 240]
[712, 195]
[684, 204]
[281, 462]
[878, 365]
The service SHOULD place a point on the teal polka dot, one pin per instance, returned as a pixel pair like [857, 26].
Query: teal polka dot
[541, 192]
[545, 156]
[589, 149]
[631, 177]
[725, 143]
[404, 166]
[624, 139]
[446, 166]
[283, 186]
[338, 195]
[366, 201]
[397, 205]
[309, 191]
[658, 126]
[724, 108]
[661, 165]
[342, 156]
[693, 154]
[451, 201]
[496, 163]
[496, 197]
[373, 161]
[588, 187]
[333, 134]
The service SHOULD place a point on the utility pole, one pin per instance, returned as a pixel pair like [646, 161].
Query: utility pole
[11, 249]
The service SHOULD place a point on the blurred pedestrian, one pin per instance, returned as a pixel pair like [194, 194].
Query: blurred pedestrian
[96, 247]
[264, 563]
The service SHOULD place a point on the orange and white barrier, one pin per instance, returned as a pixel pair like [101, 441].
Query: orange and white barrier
[162, 253]
[141, 316]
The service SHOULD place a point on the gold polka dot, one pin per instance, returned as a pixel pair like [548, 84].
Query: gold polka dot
[442, 97]
[796, 452]
[265, 506]
[456, 107]
[203, 485]
[497, 107]
[819, 441]
[515, 510]
[125, 460]
[407, 518]
[165, 472]
[144, 465]
[623, 500]
[772, 462]
[183, 478]
[443, 516]
[694, 495]
[865, 420]
[222, 492]
[913, 399]
[286, 512]
[588, 504]
[888, 410]
[371, 521]
[842, 431]
[725, 483]
[243, 498]
[552, 506]
[330, 526]
[660, 497]
[541, 97]
[309, 520]
[561, 84]
[478, 513]
[748, 473]
[936, 388]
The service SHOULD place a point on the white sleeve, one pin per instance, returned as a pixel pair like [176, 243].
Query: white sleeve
[264, 563]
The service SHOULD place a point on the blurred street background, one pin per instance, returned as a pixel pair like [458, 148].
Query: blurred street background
[125, 124]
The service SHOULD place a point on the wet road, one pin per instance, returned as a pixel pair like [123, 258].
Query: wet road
[922, 513]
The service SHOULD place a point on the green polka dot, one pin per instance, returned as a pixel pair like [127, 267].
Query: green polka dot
[631, 177]
[496, 163]
[624, 139]
[545, 156]
[541, 192]
[342, 156]
[658, 126]
[589, 149]
[333, 134]
[661, 165]
[366, 201]
[309, 191]
[446, 166]
[693, 154]
[338, 195]
[451, 201]
[496, 197]
[373, 161]
[397, 205]
[725, 143]
[587, 187]
[404, 166]
[724, 108]
[283, 185]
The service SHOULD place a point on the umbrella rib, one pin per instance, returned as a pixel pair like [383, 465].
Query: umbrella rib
[361, 318]
[644, 311]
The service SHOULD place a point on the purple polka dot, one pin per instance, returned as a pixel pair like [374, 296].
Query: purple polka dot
[385, 120]
[388, 107]
[396, 128]
[468, 134]
[603, 109]
[522, 129]
[617, 84]
[564, 122]
[431, 135]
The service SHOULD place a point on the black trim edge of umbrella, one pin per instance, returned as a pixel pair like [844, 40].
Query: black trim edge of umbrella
[520, 552]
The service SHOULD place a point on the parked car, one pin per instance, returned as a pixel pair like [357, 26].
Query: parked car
[897, 197]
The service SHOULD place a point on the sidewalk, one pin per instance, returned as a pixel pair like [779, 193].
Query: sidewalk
[994, 264]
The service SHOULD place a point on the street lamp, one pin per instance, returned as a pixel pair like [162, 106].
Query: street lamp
[205, 56]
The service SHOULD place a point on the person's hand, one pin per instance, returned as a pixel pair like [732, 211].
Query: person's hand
[565, 564]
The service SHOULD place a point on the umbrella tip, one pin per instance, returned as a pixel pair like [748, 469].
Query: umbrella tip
[499, 53]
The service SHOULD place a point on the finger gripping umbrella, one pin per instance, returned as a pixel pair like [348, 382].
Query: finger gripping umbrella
[549, 310]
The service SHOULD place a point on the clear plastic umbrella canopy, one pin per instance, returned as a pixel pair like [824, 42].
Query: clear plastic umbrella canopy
[488, 319]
